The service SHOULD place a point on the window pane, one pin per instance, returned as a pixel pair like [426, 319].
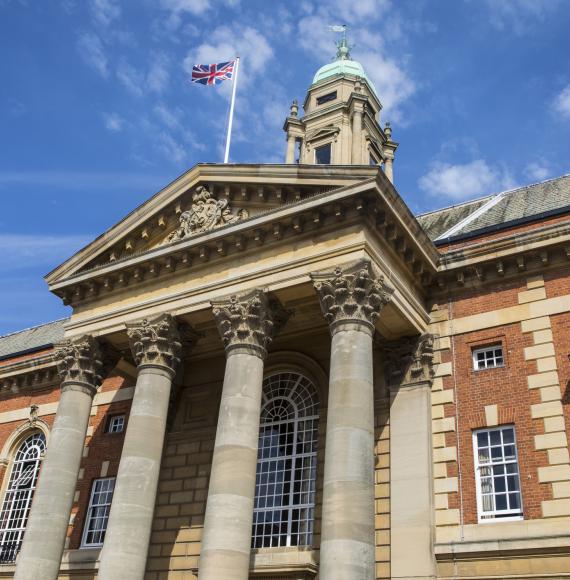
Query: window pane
[323, 155]
[286, 467]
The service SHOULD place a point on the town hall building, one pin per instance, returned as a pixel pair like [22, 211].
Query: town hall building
[278, 372]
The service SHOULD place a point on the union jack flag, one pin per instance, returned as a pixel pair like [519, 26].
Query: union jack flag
[213, 74]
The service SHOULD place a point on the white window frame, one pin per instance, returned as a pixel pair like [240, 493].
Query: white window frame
[89, 517]
[495, 515]
[301, 396]
[17, 501]
[492, 349]
[112, 419]
[330, 144]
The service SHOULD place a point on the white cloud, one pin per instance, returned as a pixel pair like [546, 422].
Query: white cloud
[519, 16]
[191, 6]
[538, 171]
[105, 11]
[561, 103]
[92, 51]
[464, 181]
[171, 148]
[113, 122]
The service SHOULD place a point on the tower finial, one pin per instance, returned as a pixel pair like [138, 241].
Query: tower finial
[342, 48]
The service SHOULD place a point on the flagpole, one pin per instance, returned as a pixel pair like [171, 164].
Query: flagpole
[229, 136]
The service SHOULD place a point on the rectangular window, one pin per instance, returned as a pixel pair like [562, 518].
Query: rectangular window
[116, 424]
[497, 474]
[489, 357]
[323, 154]
[98, 512]
[326, 98]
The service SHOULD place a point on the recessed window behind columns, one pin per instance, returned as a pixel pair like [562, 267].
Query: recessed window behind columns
[323, 154]
[19, 493]
[287, 462]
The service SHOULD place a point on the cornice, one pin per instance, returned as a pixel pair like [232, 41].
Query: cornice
[513, 255]
[281, 176]
[33, 373]
[371, 200]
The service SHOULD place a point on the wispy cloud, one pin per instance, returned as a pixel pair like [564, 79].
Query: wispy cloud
[21, 252]
[464, 181]
[519, 16]
[158, 74]
[93, 53]
[105, 12]
[561, 104]
[130, 78]
[538, 170]
[81, 181]
[113, 122]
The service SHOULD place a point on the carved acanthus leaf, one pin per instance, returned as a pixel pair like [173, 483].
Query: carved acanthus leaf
[250, 321]
[80, 361]
[409, 360]
[205, 214]
[156, 342]
[354, 295]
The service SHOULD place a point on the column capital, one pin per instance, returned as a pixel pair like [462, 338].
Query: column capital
[409, 360]
[353, 295]
[249, 322]
[80, 364]
[156, 343]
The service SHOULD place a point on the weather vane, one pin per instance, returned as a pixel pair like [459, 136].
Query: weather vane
[343, 49]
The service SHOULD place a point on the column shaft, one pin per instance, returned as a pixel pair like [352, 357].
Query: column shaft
[46, 531]
[347, 543]
[389, 169]
[290, 158]
[229, 515]
[357, 138]
[128, 531]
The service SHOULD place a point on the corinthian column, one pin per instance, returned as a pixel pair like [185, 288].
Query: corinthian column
[79, 366]
[156, 348]
[247, 326]
[351, 302]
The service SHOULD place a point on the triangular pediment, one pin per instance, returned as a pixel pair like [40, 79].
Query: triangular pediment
[323, 133]
[206, 198]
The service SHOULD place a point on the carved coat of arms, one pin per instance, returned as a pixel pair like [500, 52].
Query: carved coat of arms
[205, 214]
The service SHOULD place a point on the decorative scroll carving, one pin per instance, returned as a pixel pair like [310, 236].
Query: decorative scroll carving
[353, 295]
[205, 214]
[409, 360]
[249, 321]
[80, 362]
[156, 342]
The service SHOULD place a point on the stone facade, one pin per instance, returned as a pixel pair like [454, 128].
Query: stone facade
[197, 319]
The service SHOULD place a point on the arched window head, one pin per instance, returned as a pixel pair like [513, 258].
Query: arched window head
[286, 462]
[18, 498]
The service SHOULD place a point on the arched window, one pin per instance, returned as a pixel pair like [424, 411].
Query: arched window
[19, 493]
[286, 462]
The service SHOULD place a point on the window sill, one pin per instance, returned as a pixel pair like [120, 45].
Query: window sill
[300, 561]
[454, 542]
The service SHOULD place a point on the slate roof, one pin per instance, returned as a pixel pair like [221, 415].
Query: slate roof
[31, 339]
[504, 209]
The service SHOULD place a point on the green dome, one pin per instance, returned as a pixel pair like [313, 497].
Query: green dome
[343, 66]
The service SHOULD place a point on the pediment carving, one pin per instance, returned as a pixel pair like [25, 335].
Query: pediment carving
[206, 213]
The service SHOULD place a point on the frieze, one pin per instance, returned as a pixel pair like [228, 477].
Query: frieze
[206, 213]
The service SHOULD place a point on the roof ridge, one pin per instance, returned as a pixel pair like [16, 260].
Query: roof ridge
[461, 204]
[33, 327]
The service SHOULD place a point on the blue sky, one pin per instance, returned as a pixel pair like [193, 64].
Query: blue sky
[96, 111]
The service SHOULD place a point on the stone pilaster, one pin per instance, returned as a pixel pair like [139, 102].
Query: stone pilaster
[351, 302]
[79, 363]
[409, 374]
[156, 348]
[247, 326]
